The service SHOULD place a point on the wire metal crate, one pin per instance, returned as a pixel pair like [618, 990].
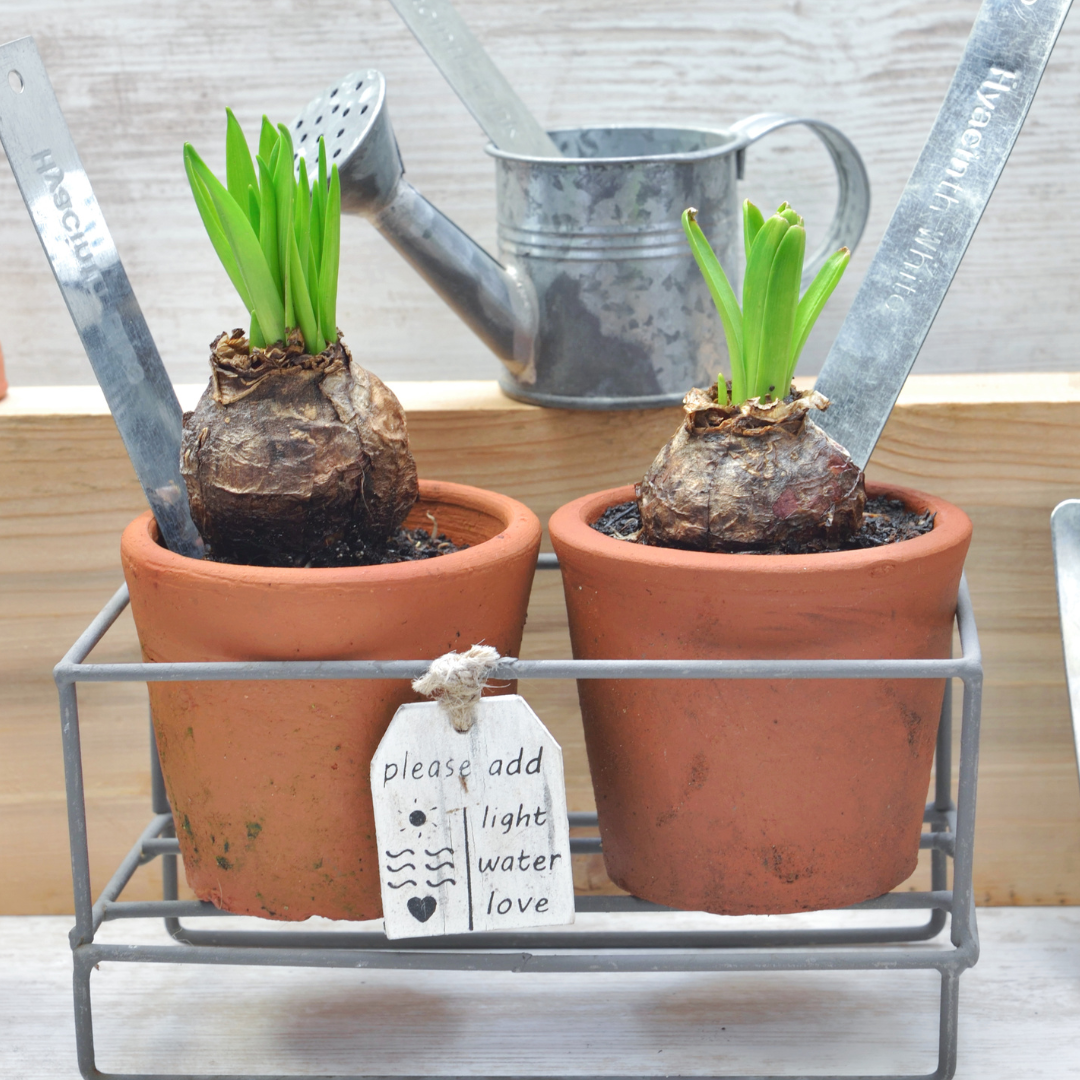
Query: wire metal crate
[950, 837]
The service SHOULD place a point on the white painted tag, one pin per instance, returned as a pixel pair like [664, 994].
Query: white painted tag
[471, 827]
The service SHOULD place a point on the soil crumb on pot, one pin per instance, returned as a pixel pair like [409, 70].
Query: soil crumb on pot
[885, 521]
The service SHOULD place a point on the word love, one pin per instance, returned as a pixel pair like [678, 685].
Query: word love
[471, 826]
[506, 905]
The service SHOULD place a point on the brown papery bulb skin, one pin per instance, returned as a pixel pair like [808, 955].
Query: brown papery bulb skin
[753, 477]
[295, 460]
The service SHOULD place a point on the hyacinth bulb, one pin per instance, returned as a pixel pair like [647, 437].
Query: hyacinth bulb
[748, 469]
[754, 478]
[295, 460]
[295, 455]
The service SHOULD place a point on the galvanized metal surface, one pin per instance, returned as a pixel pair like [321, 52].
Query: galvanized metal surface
[625, 315]
[956, 173]
[858, 948]
[474, 77]
[597, 302]
[95, 287]
[1065, 537]
[496, 304]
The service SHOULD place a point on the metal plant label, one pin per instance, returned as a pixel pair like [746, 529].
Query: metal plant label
[471, 827]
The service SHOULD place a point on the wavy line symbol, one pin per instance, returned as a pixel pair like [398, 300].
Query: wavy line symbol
[432, 854]
[439, 866]
[403, 851]
[403, 866]
[436, 884]
[401, 884]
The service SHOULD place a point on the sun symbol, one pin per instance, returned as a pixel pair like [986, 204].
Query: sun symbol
[418, 818]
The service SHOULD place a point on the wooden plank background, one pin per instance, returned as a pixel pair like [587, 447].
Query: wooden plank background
[1006, 448]
[136, 79]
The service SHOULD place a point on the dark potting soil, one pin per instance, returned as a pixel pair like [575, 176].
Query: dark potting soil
[412, 545]
[885, 521]
[406, 545]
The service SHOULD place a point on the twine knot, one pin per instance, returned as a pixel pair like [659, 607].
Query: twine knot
[456, 680]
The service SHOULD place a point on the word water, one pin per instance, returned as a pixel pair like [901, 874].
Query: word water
[472, 826]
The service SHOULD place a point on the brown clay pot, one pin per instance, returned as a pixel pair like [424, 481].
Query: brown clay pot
[268, 781]
[3, 377]
[749, 796]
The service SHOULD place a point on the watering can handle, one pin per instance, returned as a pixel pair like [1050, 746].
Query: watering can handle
[853, 203]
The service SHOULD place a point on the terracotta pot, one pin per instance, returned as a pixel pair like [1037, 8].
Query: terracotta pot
[746, 796]
[268, 781]
[3, 377]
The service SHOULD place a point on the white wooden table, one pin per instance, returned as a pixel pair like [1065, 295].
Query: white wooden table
[1019, 1014]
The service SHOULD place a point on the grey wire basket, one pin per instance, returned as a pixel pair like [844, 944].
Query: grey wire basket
[888, 947]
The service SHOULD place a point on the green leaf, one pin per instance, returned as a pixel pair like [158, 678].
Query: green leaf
[212, 223]
[302, 214]
[265, 299]
[285, 187]
[286, 144]
[279, 240]
[328, 265]
[305, 316]
[306, 245]
[752, 221]
[778, 318]
[811, 305]
[268, 138]
[318, 204]
[724, 298]
[312, 277]
[239, 169]
[254, 209]
[755, 291]
[789, 215]
[268, 233]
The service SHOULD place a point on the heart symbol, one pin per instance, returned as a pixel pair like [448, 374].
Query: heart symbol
[422, 909]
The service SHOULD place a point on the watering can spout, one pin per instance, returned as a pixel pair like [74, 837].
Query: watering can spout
[496, 303]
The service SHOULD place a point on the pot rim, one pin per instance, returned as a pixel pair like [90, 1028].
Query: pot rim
[570, 527]
[520, 533]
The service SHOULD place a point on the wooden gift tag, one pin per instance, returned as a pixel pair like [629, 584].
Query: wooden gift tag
[471, 827]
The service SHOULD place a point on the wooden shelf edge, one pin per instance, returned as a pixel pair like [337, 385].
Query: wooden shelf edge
[485, 395]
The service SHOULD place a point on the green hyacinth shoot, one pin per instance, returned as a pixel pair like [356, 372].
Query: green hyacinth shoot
[765, 336]
[277, 236]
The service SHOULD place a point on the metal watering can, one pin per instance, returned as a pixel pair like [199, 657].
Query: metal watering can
[595, 301]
